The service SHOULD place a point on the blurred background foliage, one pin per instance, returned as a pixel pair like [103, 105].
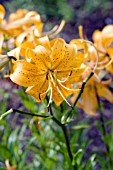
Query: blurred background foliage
[60, 9]
[91, 14]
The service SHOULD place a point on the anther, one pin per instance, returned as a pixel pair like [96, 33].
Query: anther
[12, 57]
[40, 96]
[70, 73]
[47, 75]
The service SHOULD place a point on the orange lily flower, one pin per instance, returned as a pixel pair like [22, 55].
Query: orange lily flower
[103, 41]
[49, 68]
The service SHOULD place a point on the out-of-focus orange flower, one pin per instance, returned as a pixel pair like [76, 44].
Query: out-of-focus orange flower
[22, 26]
[2, 13]
[9, 167]
[103, 41]
[94, 88]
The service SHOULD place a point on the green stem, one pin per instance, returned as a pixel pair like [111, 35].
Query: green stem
[67, 142]
[30, 114]
[65, 135]
[6, 114]
[104, 132]
[82, 88]
[58, 122]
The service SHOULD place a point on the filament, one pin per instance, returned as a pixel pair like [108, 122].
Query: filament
[67, 87]
[63, 96]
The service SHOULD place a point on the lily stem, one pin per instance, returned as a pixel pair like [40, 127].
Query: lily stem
[29, 113]
[104, 132]
[82, 88]
[65, 135]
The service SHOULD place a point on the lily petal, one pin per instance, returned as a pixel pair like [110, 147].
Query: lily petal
[68, 58]
[57, 52]
[26, 74]
[44, 41]
[39, 56]
[56, 93]
[2, 13]
[39, 91]
[104, 92]
[89, 100]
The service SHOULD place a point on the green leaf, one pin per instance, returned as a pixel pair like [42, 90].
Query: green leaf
[91, 163]
[67, 117]
[46, 118]
[77, 157]
[12, 139]
[24, 154]
[2, 168]
[80, 127]
[4, 152]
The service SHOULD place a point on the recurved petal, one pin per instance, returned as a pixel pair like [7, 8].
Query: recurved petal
[104, 92]
[110, 52]
[1, 42]
[110, 68]
[57, 53]
[2, 13]
[21, 38]
[15, 53]
[97, 35]
[26, 74]
[39, 56]
[76, 75]
[69, 57]
[24, 47]
[71, 75]
[59, 93]
[107, 31]
[44, 41]
[89, 100]
[39, 91]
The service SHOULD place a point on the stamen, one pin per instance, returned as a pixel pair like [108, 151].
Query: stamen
[39, 96]
[51, 31]
[47, 75]
[51, 77]
[106, 82]
[70, 73]
[102, 67]
[103, 62]
[63, 81]
[63, 97]
[12, 57]
[67, 87]
[58, 30]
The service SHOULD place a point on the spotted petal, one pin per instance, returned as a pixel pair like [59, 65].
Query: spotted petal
[57, 53]
[68, 58]
[26, 74]
[39, 56]
[39, 91]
